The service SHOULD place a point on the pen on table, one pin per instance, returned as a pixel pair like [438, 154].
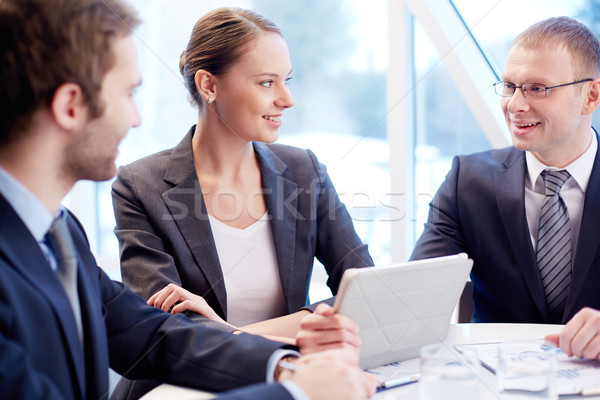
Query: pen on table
[405, 380]
[589, 392]
[288, 365]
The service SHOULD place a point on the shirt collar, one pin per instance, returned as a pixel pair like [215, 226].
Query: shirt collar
[580, 169]
[32, 212]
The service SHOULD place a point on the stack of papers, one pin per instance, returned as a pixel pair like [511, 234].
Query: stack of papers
[575, 376]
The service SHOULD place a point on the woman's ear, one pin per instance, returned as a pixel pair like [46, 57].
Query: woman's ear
[592, 97]
[68, 106]
[206, 85]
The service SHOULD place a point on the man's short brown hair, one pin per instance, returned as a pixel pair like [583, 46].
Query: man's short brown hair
[46, 43]
[578, 39]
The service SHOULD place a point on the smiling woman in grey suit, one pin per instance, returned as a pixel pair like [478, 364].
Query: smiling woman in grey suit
[227, 224]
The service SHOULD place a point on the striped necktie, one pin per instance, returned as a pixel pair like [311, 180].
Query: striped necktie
[61, 244]
[554, 245]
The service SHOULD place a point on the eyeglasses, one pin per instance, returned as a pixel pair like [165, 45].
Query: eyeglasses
[530, 90]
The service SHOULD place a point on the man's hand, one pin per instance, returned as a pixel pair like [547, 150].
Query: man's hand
[332, 375]
[325, 329]
[581, 336]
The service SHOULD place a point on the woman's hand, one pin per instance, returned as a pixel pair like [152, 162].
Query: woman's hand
[176, 299]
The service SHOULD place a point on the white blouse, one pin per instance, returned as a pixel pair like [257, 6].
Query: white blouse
[250, 271]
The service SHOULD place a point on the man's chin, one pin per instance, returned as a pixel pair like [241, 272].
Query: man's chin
[108, 175]
[101, 174]
[520, 143]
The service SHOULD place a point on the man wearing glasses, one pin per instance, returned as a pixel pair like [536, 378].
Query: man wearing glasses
[528, 215]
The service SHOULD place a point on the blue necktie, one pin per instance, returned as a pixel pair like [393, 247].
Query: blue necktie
[554, 245]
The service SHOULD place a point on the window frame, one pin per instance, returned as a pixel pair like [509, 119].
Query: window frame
[471, 72]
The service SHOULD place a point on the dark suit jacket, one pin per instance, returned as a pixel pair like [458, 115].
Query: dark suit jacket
[165, 235]
[480, 210]
[40, 354]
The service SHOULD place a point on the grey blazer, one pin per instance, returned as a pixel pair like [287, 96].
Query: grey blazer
[165, 235]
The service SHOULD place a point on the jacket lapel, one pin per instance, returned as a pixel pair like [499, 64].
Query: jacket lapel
[25, 255]
[510, 195]
[281, 197]
[94, 333]
[186, 205]
[587, 245]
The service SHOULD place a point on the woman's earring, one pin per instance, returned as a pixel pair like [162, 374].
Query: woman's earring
[209, 100]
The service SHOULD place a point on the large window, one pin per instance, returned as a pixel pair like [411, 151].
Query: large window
[495, 23]
[444, 124]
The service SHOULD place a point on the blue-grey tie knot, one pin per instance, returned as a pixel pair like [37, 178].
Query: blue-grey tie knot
[554, 180]
[61, 244]
[59, 239]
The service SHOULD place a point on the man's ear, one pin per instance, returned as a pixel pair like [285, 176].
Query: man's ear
[68, 106]
[592, 97]
[206, 85]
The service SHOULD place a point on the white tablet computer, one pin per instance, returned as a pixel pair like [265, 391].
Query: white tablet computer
[401, 307]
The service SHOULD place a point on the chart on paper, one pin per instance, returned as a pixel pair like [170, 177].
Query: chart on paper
[574, 376]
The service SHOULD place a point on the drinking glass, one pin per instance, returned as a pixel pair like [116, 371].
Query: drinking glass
[448, 375]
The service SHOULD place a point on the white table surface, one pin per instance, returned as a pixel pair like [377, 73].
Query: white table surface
[458, 334]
